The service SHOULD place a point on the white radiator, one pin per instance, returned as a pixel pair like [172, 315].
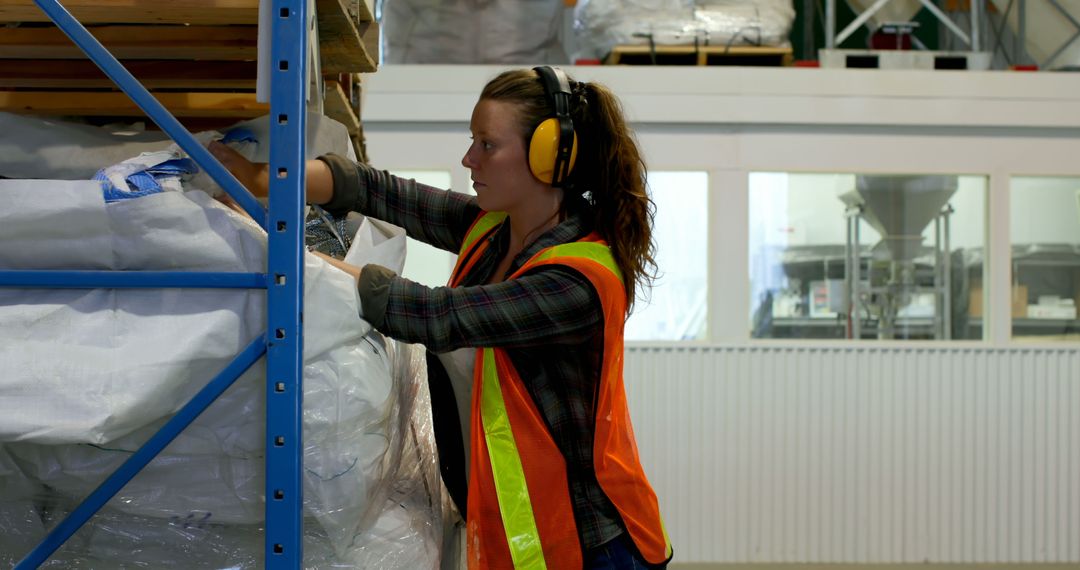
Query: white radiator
[862, 455]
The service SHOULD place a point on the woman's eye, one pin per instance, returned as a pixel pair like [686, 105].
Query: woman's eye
[486, 145]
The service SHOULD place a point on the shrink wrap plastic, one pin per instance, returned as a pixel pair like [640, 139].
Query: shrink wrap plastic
[88, 375]
[603, 24]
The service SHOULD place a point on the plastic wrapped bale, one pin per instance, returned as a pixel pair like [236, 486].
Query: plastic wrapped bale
[601, 25]
[92, 373]
[401, 531]
[473, 31]
[216, 465]
[20, 520]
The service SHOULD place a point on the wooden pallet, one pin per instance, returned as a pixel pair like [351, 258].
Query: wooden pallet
[699, 55]
[198, 57]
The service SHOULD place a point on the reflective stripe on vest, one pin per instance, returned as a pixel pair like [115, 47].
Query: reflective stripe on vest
[594, 251]
[515, 504]
[482, 224]
[466, 255]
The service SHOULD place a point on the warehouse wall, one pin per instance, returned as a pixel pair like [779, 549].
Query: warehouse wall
[772, 451]
[862, 455]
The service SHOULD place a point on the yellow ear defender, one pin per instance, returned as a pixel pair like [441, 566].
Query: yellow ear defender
[553, 146]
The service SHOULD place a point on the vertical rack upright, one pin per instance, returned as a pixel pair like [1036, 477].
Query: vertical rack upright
[283, 341]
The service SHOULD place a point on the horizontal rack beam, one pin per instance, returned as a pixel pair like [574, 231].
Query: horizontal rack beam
[131, 279]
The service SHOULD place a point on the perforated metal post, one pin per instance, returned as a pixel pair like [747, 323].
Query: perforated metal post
[284, 363]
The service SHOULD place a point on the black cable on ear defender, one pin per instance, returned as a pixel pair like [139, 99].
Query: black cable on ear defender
[553, 146]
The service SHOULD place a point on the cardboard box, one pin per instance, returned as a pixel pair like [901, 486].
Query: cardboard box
[1019, 301]
[1065, 312]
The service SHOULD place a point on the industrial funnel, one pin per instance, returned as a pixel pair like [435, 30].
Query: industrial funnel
[900, 208]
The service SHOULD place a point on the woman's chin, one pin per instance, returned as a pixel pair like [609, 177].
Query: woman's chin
[486, 203]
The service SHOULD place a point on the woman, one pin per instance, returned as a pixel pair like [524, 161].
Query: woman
[551, 250]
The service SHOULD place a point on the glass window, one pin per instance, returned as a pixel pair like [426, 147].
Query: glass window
[1044, 222]
[675, 308]
[425, 264]
[906, 250]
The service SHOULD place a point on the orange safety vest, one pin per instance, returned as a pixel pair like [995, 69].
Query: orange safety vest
[520, 510]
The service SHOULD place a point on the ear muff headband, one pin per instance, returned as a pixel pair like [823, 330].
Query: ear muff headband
[553, 146]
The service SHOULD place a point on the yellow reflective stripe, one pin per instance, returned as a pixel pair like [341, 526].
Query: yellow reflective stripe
[597, 252]
[518, 519]
[667, 539]
[485, 223]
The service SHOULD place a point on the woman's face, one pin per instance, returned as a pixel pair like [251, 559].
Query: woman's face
[497, 158]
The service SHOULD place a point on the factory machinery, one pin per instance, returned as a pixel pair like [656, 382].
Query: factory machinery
[900, 208]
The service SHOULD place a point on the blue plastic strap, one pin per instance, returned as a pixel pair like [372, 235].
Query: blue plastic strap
[239, 134]
[145, 182]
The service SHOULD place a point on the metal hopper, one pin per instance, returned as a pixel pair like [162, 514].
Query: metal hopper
[900, 208]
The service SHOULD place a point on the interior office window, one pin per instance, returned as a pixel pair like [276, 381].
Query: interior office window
[425, 264]
[866, 256]
[675, 308]
[1044, 223]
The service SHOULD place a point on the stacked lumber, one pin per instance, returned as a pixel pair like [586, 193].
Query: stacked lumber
[198, 57]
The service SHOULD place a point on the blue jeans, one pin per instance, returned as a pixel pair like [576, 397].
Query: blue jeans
[616, 554]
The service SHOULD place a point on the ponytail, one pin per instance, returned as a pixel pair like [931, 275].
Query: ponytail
[612, 175]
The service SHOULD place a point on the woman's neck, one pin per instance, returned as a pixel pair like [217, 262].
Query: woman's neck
[529, 223]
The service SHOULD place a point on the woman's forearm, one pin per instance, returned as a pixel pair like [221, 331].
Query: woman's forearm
[255, 176]
[320, 182]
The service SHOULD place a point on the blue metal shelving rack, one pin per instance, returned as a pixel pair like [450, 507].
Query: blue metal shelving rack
[283, 341]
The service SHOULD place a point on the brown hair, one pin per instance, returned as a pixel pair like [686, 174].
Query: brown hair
[608, 172]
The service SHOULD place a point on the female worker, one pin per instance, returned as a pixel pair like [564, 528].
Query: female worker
[551, 250]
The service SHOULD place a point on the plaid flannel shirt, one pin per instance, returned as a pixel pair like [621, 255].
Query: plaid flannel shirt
[549, 320]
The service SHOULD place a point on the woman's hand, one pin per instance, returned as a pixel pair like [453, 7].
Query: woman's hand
[255, 176]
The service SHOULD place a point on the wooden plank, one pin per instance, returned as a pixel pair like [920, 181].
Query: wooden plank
[345, 45]
[342, 44]
[370, 35]
[203, 12]
[89, 103]
[135, 42]
[336, 105]
[361, 10]
[154, 74]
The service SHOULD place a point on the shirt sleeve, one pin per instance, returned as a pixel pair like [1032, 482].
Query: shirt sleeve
[437, 217]
[550, 305]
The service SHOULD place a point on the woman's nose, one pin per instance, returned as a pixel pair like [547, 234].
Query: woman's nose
[469, 160]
